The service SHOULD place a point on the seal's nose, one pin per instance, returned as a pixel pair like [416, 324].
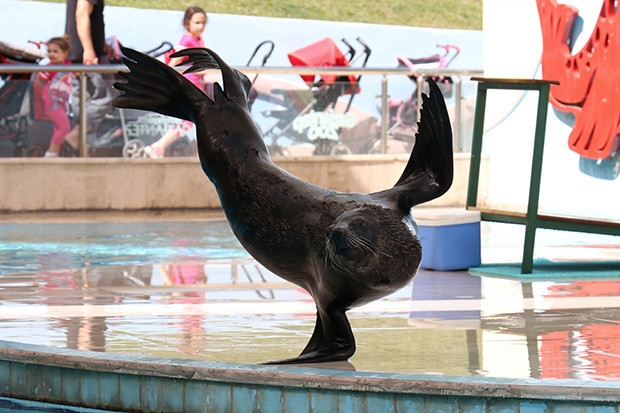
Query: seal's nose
[338, 237]
[336, 231]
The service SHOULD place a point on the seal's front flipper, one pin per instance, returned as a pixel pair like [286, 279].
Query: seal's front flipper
[236, 85]
[429, 171]
[152, 85]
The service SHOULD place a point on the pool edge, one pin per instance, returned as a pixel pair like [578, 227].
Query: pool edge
[128, 382]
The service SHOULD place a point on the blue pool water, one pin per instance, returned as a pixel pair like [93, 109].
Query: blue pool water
[43, 247]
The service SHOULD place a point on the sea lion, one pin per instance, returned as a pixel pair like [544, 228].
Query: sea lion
[345, 249]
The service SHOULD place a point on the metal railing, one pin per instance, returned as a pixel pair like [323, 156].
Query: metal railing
[457, 74]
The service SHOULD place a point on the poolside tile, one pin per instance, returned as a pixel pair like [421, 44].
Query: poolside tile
[109, 391]
[295, 400]
[409, 403]
[5, 377]
[497, 405]
[71, 386]
[89, 389]
[269, 399]
[219, 397]
[351, 402]
[195, 396]
[323, 400]
[568, 407]
[244, 398]
[35, 380]
[602, 409]
[471, 405]
[380, 402]
[151, 393]
[441, 404]
[129, 391]
[53, 383]
[533, 407]
[602, 389]
[19, 384]
[172, 395]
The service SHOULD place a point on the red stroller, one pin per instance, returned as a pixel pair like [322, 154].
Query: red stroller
[328, 88]
[300, 117]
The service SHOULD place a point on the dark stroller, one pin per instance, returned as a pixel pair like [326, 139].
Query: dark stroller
[15, 97]
[299, 118]
[25, 131]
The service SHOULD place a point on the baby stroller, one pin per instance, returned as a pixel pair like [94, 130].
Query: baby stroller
[15, 97]
[25, 130]
[403, 113]
[301, 118]
[24, 120]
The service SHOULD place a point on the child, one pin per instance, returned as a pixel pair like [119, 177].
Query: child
[195, 22]
[55, 89]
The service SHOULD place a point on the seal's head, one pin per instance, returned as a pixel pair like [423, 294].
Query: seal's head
[367, 243]
[351, 241]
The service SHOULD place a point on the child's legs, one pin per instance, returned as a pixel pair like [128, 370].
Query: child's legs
[61, 125]
[167, 138]
[173, 134]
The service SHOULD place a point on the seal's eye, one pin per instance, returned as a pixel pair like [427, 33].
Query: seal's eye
[360, 224]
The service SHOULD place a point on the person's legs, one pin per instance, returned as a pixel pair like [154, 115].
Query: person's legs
[98, 103]
[73, 137]
[158, 148]
[62, 128]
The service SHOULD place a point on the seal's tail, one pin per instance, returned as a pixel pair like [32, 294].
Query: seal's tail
[429, 171]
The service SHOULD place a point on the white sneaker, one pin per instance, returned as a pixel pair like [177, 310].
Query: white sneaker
[152, 152]
[49, 154]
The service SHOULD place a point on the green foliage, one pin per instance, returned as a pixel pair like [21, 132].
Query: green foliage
[445, 14]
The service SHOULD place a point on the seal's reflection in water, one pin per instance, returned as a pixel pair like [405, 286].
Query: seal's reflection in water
[464, 320]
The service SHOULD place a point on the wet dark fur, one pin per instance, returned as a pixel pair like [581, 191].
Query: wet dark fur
[345, 249]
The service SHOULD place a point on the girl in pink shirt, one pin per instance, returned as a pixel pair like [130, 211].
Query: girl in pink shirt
[54, 88]
[195, 21]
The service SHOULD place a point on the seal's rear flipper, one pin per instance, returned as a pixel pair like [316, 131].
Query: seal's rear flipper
[332, 340]
[429, 171]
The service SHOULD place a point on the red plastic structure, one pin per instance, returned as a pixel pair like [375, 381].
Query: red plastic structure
[589, 86]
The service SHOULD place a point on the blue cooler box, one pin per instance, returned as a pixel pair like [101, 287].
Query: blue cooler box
[450, 238]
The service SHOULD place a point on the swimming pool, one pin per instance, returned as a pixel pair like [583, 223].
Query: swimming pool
[188, 289]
